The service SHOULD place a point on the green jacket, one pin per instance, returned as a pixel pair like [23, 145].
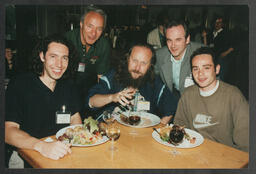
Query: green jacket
[96, 60]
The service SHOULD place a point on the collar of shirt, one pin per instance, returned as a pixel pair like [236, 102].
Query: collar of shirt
[209, 93]
[92, 47]
[176, 65]
[215, 33]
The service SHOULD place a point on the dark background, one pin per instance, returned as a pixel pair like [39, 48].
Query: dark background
[44, 30]
[42, 20]
[25, 24]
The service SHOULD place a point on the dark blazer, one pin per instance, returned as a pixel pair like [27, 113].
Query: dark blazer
[222, 42]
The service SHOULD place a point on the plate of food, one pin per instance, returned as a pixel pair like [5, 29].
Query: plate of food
[91, 133]
[185, 138]
[138, 119]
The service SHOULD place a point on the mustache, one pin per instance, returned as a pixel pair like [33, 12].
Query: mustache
[137, 72]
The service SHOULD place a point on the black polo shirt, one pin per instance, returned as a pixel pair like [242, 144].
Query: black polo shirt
[33, 105]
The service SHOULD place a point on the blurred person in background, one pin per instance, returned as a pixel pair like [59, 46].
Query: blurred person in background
[156, 37]
[10, 60]
[8, 63]
[220, 40]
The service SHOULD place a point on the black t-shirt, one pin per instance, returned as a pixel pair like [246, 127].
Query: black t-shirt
[33, 105]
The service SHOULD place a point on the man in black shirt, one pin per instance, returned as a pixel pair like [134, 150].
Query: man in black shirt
[33, 99]
[220, 39]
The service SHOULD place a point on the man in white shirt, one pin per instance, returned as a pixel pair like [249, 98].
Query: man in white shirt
[156, 37]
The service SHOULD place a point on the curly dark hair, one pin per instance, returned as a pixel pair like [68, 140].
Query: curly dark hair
[37, 65]
[122, 74]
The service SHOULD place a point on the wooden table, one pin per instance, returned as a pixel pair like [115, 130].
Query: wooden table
[141, 151]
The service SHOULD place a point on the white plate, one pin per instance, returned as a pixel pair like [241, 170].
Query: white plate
[147, 119]
[63, 130]
[185, 143]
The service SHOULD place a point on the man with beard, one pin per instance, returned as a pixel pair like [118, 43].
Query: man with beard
[134, 74]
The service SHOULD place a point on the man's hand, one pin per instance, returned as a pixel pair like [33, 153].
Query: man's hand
[204, 33]
[166, 119]
[225, 53]
[123, 97]
[53, 150]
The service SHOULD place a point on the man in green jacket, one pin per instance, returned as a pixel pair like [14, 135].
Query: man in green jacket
[92, 48]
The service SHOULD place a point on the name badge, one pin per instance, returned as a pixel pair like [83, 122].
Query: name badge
[143, 105]
[81, 67]
[189, 81]
[63, 116]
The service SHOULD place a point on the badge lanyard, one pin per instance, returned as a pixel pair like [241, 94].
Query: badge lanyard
[140, 104]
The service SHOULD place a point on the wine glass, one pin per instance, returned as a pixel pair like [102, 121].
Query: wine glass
[174, 150]
[134, 120]
[176, 137]
[113, 133]
[108, 117]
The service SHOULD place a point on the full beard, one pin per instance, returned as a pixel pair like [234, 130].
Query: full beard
[129, 81]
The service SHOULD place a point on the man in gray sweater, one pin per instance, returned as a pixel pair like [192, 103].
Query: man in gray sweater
[213, 108]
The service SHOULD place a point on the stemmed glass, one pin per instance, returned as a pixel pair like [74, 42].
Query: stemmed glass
[176, 137]
[174, 150]
[113, 133]
[133, 120]
[108, 117]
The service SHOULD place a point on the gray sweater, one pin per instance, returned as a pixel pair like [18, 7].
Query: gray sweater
[222, 117]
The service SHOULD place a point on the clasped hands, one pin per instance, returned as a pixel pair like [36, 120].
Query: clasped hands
[124, 97]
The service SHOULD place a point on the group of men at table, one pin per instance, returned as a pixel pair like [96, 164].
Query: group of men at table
[178, 83]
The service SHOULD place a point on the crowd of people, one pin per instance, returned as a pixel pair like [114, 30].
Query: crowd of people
[177, 77]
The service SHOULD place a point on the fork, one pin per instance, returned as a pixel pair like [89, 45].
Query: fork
[104, 113]
[157, 131]
[123, 108]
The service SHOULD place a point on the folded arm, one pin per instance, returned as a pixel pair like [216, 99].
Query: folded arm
[166, 119]
[16, 137]
[20, 139]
